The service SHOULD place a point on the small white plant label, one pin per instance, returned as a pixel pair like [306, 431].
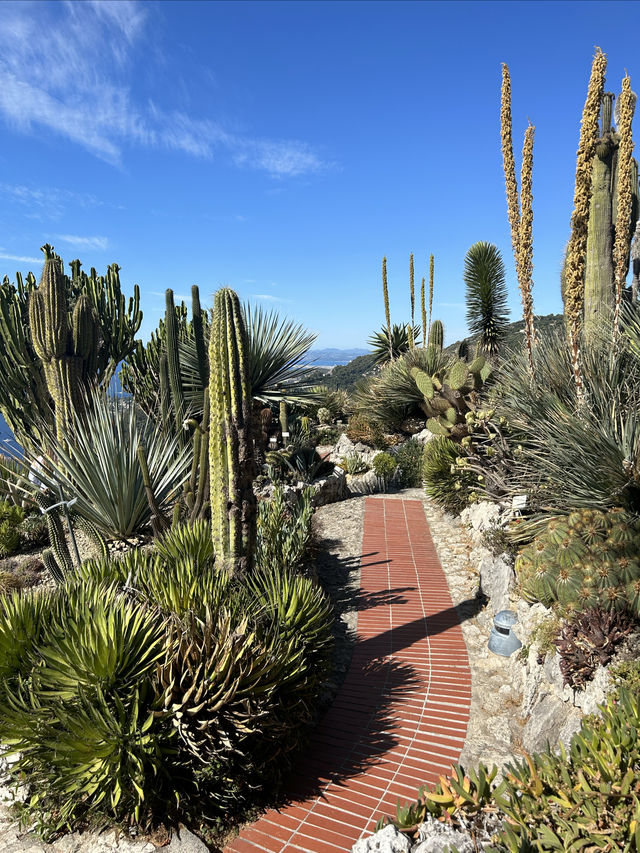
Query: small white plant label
[519, 502]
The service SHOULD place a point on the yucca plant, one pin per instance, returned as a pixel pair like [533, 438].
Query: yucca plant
[487, 311]
[99, 466]
[387, 347]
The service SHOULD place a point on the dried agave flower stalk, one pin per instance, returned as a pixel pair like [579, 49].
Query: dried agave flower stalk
[387, 313]
[519, 222]
[577, 248]
[508, 160]
[524, 262]
[413, 301]
[430, 289]
[424, 316]
[625, 107]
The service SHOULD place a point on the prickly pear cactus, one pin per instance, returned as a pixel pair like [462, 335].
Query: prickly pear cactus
[448, 396]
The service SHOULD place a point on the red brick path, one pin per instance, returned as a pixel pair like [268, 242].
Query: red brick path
[400, 718]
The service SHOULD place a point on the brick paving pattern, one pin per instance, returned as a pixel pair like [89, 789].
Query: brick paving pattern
[400, 718]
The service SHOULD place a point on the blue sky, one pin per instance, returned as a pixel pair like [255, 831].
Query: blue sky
[283, 148]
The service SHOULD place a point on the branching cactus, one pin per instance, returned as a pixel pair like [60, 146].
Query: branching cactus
[67, 345]
[448, 395]
[231, 456]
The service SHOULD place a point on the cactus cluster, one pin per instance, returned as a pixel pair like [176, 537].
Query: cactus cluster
[79, 328]
[447, 394]
[586, 559]
[67, 345]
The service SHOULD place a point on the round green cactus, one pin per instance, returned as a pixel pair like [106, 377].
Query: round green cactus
[585, 559]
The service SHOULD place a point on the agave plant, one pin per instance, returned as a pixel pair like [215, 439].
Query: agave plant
[99, 467]
[387, 346]
[552, 435]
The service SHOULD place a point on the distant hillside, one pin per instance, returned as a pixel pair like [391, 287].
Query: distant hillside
[515, 332]
[345, 376]
[331, 356]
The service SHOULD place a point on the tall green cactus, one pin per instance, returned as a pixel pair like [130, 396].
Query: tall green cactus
[284, 416]
[599, 276]
[67, 346]
[436, 334]
[173, 366]
[25, 400]
[232, 465]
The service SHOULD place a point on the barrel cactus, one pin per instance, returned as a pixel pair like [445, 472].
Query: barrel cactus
[586, 559]
[231, 456]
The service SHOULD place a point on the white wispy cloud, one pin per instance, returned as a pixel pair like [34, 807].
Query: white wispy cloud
[100, 243]
[46, 203]
[23, 259]
[450, 305]
[68, 68]
[268, 297]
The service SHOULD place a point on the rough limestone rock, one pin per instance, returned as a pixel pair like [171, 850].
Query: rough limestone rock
[388, 840]
[330, 489]
[363, 484]
[424, 436]
[184, 841]
[437, 837]
[480, 517]
[550, 718]
[595, 691]
[497, 579]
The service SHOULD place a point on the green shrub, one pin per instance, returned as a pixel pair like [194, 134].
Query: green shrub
[284, 531]
[11, 517]
[586, 798]
[154, 681]
[448, 483]
[586, 559]
[409, 459]
[384, 466]
[626, 674]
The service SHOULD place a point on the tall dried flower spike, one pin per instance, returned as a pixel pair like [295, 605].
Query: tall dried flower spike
[524, 262]
[413, 301]
[577, 248]
[423, 308]
[625, 107]
[430, 288]
[508, 160]
[387, 313]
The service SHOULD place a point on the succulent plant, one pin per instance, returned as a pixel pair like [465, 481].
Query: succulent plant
[589, 640]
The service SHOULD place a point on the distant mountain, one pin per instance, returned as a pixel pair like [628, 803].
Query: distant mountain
[331, 356]
[515, 332]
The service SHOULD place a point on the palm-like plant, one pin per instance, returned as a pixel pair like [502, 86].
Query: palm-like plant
[385, 350]
[487, 312]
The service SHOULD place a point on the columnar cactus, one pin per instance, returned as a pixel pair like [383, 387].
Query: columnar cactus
[232, 465]
[284, 417]
[67, 346]
[173, 365]
[436, 334]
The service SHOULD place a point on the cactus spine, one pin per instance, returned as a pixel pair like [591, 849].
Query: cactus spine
[232, 466]
[436, 335]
